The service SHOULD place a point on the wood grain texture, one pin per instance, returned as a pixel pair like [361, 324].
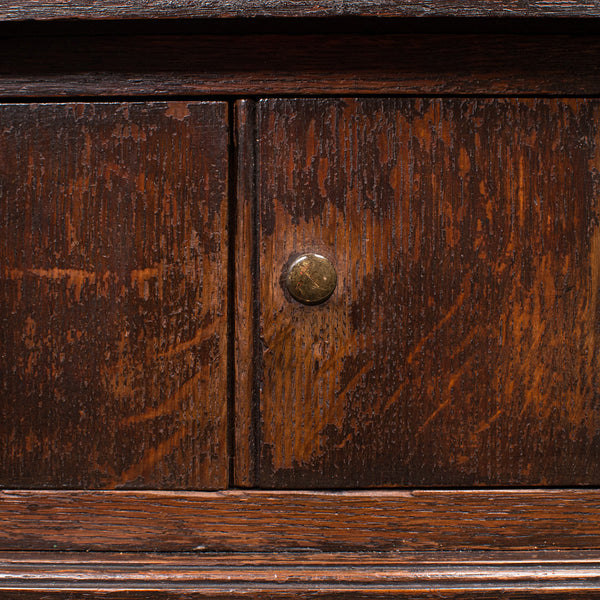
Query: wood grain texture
[245, 269]
[281, 593]
[308, 575]
[238, 521]
[113, 295]
[461, 346]
[308, 64]
[324, 594]
[137, 9]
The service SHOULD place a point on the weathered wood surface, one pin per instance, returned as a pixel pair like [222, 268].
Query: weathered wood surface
[461, 346]
[496, 64]
[113, 275]
[303, 575]
[236, 521]
[142, 9]
[245, 356]
[582, 592]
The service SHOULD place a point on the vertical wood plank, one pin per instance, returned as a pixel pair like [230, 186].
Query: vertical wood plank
[113, 271]
[245, 280]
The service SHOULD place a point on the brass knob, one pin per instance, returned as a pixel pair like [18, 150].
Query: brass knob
[311, 279]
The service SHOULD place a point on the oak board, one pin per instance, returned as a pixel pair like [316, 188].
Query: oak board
[21, 10]
[113, 295]
[461, 347]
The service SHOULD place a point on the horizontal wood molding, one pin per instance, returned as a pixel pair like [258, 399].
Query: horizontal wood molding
[297, 574]
[278, 521]
[19, 10]
[437, 64]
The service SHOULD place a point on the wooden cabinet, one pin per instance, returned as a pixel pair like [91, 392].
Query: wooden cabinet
[175, 424]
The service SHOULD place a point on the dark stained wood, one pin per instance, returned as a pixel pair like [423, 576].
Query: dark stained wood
[283, 593]
[113, 275]
[461, 346]
[133, 345]
[137, 9]
[323, 593]
[317, 64]
[245, 267]
[320, 575]
[238, 521]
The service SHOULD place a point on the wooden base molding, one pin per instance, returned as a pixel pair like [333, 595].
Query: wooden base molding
[301, 575]
[246, 521]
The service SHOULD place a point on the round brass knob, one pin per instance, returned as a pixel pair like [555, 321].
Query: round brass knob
[311, 278]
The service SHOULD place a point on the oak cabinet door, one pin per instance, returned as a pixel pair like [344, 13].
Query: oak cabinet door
[113, 295]
[461, 344]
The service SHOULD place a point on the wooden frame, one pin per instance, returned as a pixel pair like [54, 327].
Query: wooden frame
[315, 64]
[518, 544]
[137, 9]
[268, 521]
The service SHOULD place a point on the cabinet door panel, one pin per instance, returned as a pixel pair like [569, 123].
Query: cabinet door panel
[460, 347]
[113, 295]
